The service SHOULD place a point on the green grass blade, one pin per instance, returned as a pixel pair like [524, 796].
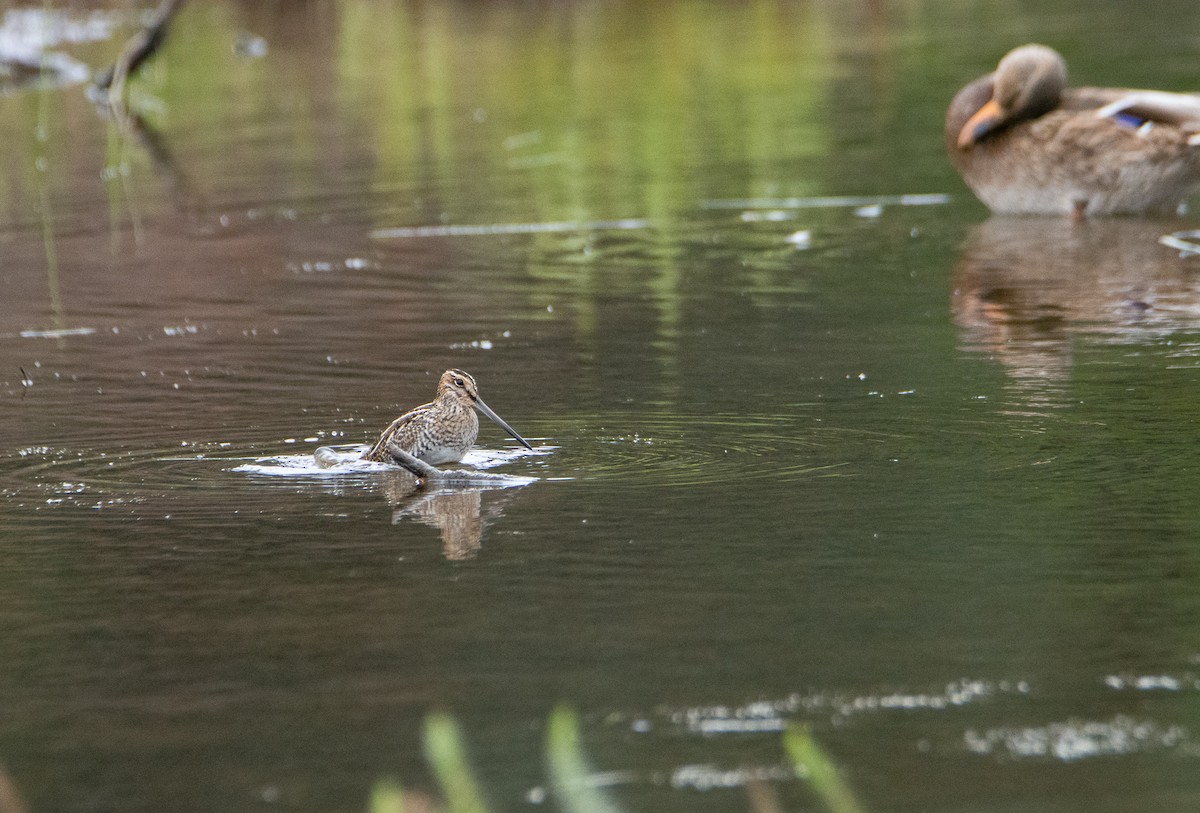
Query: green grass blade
[445, 752]
[814, 766]
[387, 797]
[568, 769]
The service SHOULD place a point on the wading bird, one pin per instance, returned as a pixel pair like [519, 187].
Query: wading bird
[443, 430]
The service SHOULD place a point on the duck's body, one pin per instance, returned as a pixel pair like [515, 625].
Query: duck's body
[1027, 144]
[443, 430]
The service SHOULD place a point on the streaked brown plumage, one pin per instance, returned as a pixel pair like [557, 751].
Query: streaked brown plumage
[1027, 144]
[443, 430]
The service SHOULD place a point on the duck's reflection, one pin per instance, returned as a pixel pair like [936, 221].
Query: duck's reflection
[461, 514]
[1025, 289]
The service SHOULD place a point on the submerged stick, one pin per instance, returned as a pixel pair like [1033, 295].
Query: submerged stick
[427, 472]
[414, 464]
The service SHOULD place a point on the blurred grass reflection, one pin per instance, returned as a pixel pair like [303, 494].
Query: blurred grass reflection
[493, 102]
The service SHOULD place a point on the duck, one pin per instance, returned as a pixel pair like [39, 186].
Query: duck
[1026, 143]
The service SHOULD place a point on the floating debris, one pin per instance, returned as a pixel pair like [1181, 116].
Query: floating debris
[508, 228]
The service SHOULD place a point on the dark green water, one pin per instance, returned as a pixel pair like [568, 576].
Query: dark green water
[921, 480]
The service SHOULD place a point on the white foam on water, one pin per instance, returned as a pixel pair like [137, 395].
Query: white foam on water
[1153, 683]
[348, 461]
[704, 777]
[772, 715]
[490, 458]
[1073, 740]
[340, 461]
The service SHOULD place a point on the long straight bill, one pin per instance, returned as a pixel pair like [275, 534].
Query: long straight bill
[487, 410]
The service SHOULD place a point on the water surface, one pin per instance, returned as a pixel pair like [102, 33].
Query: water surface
[809, 452]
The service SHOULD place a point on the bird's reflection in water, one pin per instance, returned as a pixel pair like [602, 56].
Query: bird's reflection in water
[1025, 289]
[461, 514]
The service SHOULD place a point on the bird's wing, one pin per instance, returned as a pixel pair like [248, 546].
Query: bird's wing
[1180, 110]
[393, 428]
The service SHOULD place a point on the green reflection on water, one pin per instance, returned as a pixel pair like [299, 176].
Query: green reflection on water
[972, 528]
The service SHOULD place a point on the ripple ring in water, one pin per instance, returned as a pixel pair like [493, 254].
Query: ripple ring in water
[45, 478]
[694, 450]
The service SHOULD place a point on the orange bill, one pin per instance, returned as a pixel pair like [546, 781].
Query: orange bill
[986, 119]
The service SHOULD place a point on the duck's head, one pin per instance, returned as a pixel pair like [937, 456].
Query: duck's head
[1028, 82]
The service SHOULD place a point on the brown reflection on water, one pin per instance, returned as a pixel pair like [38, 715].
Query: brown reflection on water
[182, 192]
[1026, 288]
[460, 515]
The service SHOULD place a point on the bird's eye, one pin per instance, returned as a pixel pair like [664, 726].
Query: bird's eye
[458, 382]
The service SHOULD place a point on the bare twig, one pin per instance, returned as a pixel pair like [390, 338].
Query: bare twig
[140, 47]
[428, 473]
[415, 465]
